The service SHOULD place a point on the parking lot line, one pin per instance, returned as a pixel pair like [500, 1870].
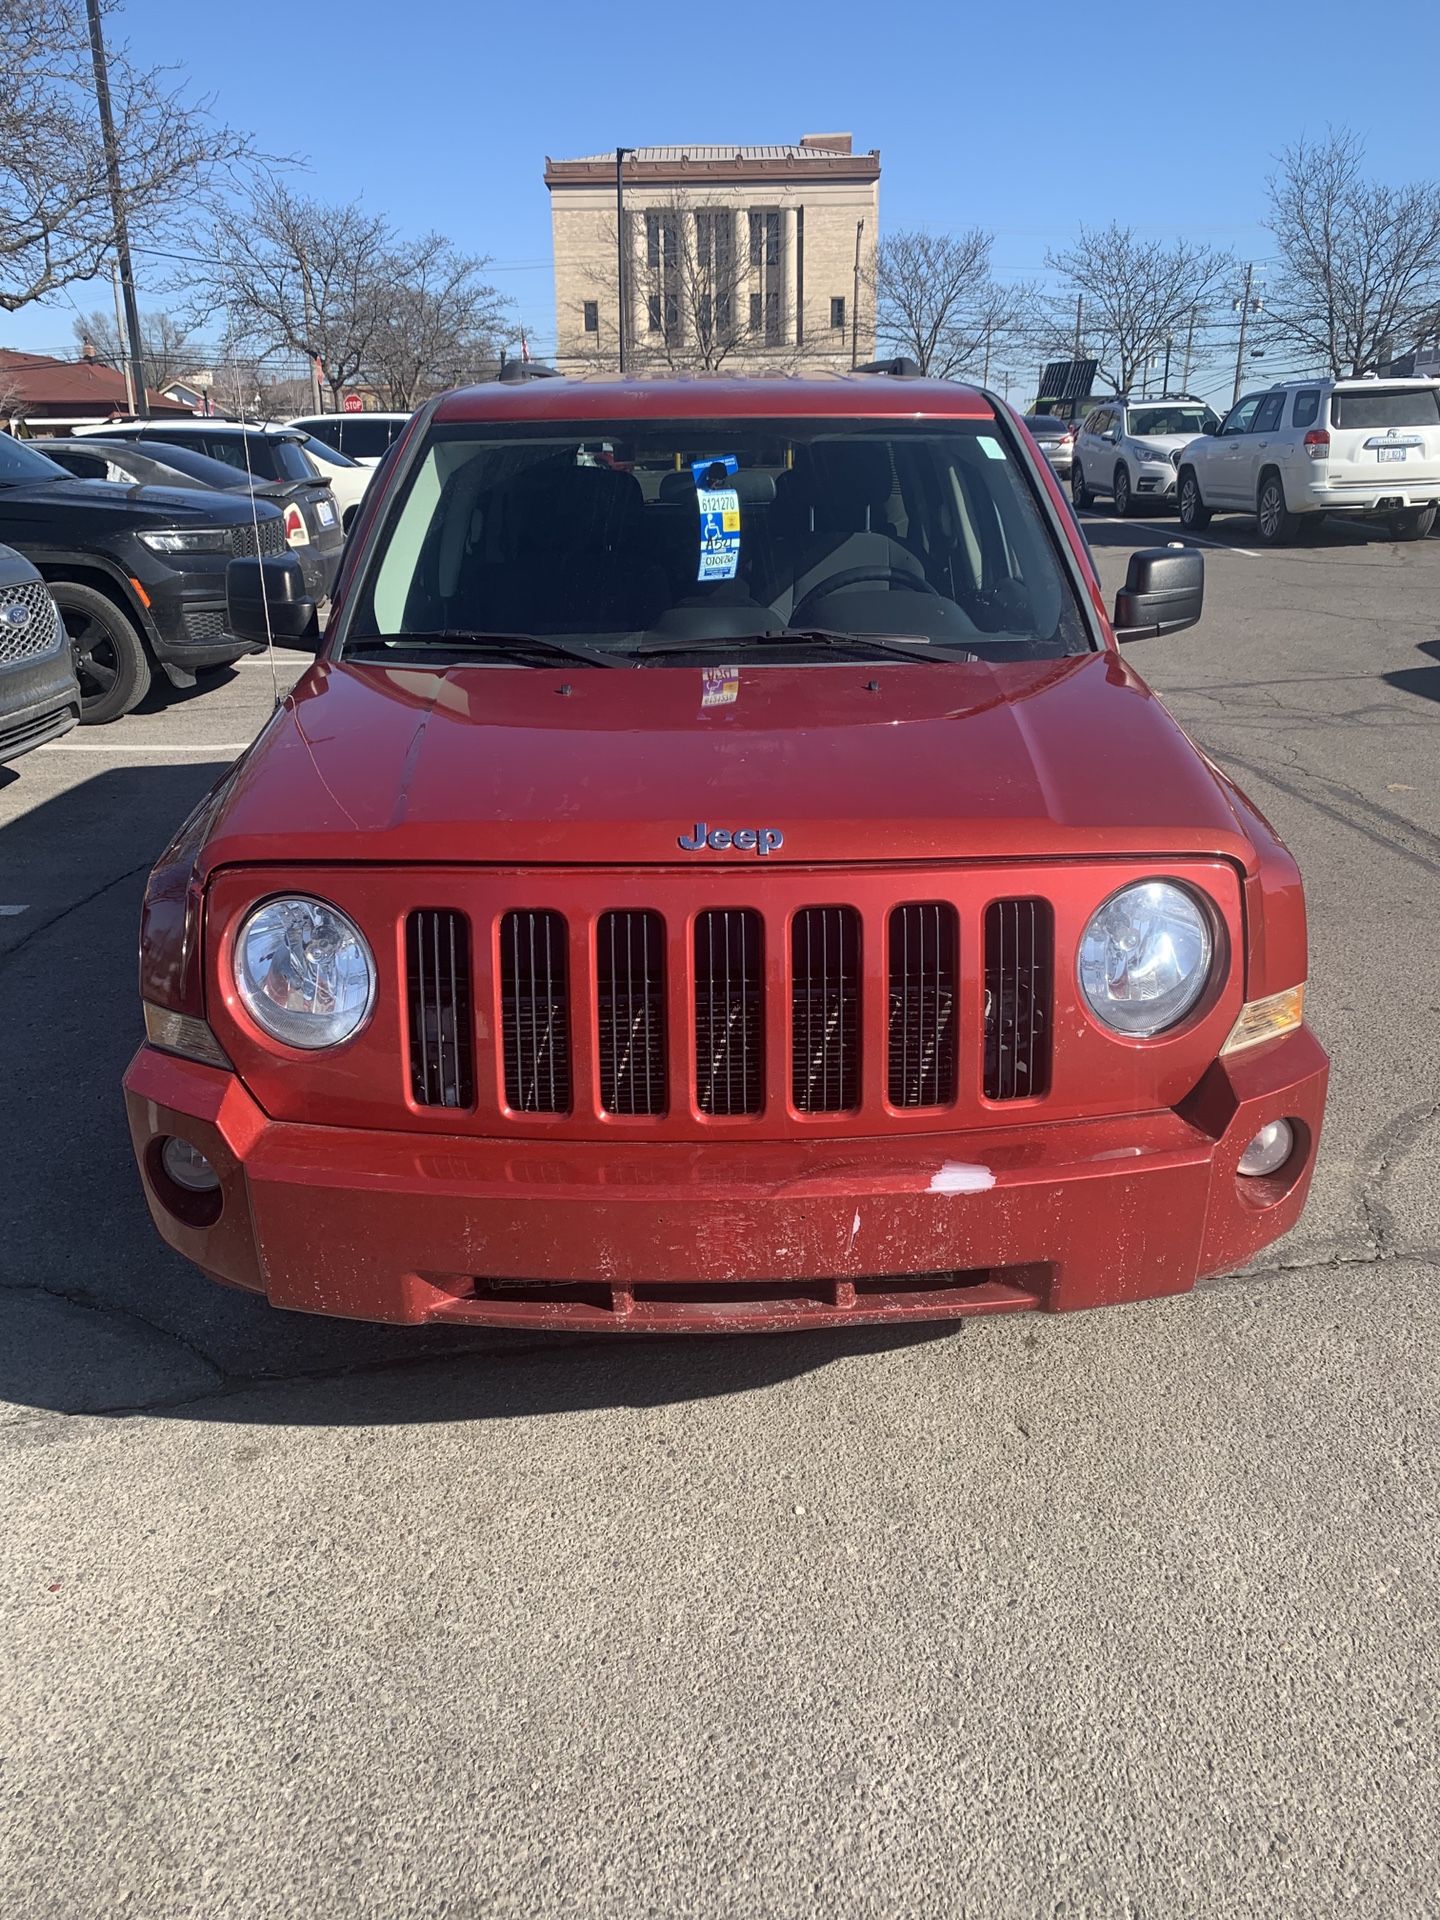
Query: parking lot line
[1200, 539]
[10, 912]
[145, 746]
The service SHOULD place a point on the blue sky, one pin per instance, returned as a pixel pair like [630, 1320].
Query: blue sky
[440, 114]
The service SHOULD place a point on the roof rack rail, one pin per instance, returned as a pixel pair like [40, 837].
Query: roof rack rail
[900, 368]
[528, 370]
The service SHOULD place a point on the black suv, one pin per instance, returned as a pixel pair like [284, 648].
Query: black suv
[138, 573]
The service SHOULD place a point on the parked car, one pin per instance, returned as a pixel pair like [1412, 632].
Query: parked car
[39, 694]
[365, 437]
[677, 904]
[268, 457]
[1055, 438]
[1128, 449]
[348, 479]
[138, 573]
[1307, 448]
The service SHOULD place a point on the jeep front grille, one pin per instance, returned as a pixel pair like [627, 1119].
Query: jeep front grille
[923, 980]
[630, 992]
[33, 628]
[535, 1012]
[875, 1012]
[729, 1012]
[253, 537]
[442, 1035]
[1019, 942]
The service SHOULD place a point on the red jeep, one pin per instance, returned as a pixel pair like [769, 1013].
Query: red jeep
[738, 884]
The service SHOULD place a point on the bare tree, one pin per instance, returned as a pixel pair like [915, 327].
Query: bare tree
[1359, 275]
[696, 299]
[1132, 294]
[441, 325]
[937, 302]
[56, 220]
[305, 275]
[165, 345]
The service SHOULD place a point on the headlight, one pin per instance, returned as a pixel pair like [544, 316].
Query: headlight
[1154, 455]
[1145, 958]
[304, 972]
[190, 540]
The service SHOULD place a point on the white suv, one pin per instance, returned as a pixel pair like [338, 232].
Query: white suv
[1128, 449]
[1307, 448]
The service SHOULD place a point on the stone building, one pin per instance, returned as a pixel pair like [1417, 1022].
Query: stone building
[735, 257]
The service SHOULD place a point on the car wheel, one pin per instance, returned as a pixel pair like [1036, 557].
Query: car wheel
[1413, 524]
[111, 663]
[1120, 491]
[1080, 494]
[1194, 514]
[1276, 525]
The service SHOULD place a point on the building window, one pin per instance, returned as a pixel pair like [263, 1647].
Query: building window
[768, 318]
[756, 313]
[652, 310]
[662, 260]
[592, 316]
[764, 236]
[715, 270]
[837, 312]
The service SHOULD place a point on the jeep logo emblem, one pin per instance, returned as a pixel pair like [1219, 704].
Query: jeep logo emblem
[761, 840]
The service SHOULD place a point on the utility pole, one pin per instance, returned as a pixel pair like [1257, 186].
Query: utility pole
[117, 204]
[1189, 344]
[985, 377]
[125, 366]
[622, 328]
[1169, 343]
[855, 300]
[1079, 323]
[1246, 307]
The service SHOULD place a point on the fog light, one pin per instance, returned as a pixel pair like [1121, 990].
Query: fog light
[188, 1167]
[1269, 1150]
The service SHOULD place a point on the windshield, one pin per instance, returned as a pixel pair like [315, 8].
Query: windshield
[1189, 420]
[331, 456]
[1045, 426]
[686, 536]
[19, 464]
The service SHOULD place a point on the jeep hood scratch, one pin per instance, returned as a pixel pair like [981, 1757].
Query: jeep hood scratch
[883, 762]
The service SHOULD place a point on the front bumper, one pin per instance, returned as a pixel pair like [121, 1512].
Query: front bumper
[728, 1236]
[39, 700]
[1155, 482]
[188, 622]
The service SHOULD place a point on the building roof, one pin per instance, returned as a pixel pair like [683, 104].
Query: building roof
[829, 155]
[78, 386]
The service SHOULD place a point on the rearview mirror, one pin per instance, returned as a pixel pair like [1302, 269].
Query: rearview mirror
[1164, 591]
[275, 583]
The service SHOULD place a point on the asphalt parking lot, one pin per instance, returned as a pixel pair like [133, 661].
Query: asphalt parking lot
[1128, 1614]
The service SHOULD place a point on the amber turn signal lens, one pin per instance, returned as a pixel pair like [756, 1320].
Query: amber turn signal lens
[1267, 1019]
[181, 1033]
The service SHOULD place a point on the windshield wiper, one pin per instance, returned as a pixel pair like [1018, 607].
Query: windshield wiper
[504, 645]
[917, 649]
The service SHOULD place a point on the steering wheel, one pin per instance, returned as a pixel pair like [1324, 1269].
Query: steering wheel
[865, 576]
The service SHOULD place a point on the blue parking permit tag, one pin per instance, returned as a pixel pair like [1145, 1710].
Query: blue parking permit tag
[719, 516]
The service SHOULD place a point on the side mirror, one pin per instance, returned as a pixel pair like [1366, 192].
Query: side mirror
[275, 583]
[1164, 591]
[1211, 427]
[1109, 436]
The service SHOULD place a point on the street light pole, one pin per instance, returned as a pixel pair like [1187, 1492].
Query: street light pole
[117, 205]
[621, 155]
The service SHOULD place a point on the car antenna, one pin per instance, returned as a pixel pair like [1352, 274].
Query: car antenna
[260, 561]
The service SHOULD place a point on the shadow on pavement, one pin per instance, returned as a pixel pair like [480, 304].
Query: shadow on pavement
[98, 1316]
[1424, 681]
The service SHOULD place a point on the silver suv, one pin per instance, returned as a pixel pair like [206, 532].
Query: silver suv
[1130, 448]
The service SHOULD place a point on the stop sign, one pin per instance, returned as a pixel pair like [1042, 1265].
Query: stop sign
[353, 403]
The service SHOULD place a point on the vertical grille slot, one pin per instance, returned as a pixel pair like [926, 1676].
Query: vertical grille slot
[1019, 969]
[630, 975]
[825, 1009]
[729, 1011]
[442, 1034]
[924, 945]
[535, 1012]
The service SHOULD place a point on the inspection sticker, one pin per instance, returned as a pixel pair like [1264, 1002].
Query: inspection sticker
[719, 517]
[720, 686]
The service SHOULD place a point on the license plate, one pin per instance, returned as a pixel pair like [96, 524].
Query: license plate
[1390, 453]
[325, 513]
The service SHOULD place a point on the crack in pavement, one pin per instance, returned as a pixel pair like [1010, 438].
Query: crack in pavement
[75, 906]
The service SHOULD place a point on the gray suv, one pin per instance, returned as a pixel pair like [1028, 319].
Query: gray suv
[1129, 449]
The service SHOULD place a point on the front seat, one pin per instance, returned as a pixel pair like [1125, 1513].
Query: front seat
[833, 523]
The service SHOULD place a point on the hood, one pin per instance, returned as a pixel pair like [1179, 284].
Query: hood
[1166, 443]
[43, 503]
[848, 763]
